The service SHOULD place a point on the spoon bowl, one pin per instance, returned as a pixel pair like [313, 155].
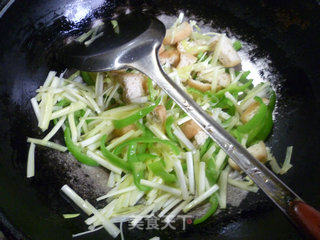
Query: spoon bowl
[136, 37]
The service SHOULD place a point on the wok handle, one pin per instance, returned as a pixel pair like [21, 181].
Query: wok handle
[306, 218]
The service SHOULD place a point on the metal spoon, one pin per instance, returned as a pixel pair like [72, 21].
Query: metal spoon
[136, 46]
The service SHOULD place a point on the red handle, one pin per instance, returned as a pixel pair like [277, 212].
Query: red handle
[307, 218]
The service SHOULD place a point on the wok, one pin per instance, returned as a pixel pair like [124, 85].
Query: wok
[282, 46]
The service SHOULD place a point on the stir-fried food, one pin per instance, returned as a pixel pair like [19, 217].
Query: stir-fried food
[160, 160]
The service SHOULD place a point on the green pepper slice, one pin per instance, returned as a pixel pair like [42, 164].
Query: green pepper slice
[171, 144]
[121, 123]
[76, 151]
[213, 208]
[115, 160]
[158, 169]
[138, 168]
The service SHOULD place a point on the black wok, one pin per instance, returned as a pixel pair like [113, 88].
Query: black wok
[284, 47]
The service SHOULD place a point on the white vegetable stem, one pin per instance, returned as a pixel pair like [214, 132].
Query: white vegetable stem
[76, 199]
[36, 109]
[71, 215]
[155, 238]
[55, 129]
[162, 187]
[156, 131]
[82, 121]
[123, 138]
[183, 120]
[114, 193]
[223, 180]
[97, 128]
[46, 106]
[202, 176]
[173, 203]
[182, 181]
[99, 90]
[286, 164]
[47, 144]
[189, 158]
[106, 211]
[49, 79]
[111, 180]
[196, 162]
[221, 156]
[73, 129]
[175, 211]
[86, 232]
[141, 215]
[30, 164]
[243, 185]
[110, 227]
[103, 162]
[91, 140]
[180, 135]
[209, 153]
[201, 198]
[73, 107]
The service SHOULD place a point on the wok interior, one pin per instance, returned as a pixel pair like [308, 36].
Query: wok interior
[35, 206]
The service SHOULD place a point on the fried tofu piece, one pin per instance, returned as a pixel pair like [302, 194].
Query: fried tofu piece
[170, 56]
[190, 129]
[174, 35]
[133, 85]
[224, 81]
[258, 150]
[186, 59]
[203, 87]
[160, 114]
[228, 56]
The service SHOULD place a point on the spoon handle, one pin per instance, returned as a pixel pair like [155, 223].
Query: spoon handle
[307, 217]
[273, 187]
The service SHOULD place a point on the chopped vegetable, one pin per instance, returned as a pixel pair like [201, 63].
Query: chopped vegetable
[162, 187]
[169, 122]
[243, 185]
[112, 157]
[201, 198]
[259, 125]
[47, 144]
[76, 199]
[159, 161]
[213, 208]
[30, 163]
[222, 183]
[134, 117]
[76, 151]
[87, 78]
[138, 168]
[115, 26]
[287, 165]
[151, 90]
[190, 167]
[212, 173]
[237, 45]
[159, 170]
[172, 145]
[181, 179]
[72, 215]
